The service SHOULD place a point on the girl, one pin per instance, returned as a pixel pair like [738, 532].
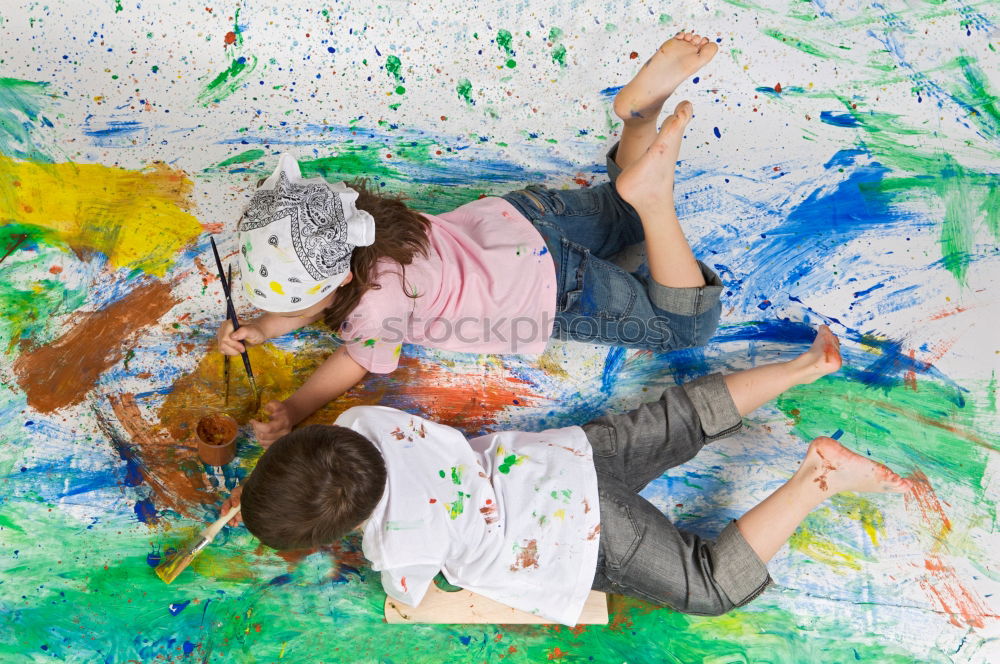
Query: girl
[496, 275]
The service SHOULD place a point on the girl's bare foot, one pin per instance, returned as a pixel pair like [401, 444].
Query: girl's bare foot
[822, 358]
[677, 59]
[648, 183]
[830, 468]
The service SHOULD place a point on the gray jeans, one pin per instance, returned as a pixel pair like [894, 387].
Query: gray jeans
[642, 553]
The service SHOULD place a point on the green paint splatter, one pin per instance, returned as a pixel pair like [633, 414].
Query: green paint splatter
[370, 343]
[118, 6]
[559, 55]
[811, 48]
[458, 506]
[464, 89]
[509, 462]
[392, 66]
[555, 34]
[504, 40]
[21, 118]
[400, 90]
[456, 475]
[242, 158]
[228, 80]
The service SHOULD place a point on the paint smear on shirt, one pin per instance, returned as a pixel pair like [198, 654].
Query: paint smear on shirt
[527, 556]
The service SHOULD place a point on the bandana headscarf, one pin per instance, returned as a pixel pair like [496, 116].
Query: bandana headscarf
[296, 238]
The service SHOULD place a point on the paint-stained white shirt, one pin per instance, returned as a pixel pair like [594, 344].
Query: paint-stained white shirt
[512, 516]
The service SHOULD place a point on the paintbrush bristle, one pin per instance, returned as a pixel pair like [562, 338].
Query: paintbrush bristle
[168, 571]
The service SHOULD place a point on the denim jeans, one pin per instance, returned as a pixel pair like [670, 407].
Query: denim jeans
[598, 301]
[642, 553]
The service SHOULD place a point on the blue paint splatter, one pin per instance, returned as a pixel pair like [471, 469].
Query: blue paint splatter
[177, 607]
[715, 130]
[280, 580]
[840, 120]
[146, 511]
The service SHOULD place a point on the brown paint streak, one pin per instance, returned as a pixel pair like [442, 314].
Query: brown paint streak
[61, 373]
[172, 471]
[526, 557]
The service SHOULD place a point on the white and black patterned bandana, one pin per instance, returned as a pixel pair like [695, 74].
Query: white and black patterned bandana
[296, 238]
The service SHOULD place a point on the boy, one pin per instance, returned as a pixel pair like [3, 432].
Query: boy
[535, 520]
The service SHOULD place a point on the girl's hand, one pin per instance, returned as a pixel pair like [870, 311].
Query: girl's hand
[279, 423]
[234, 343]
[232, 501]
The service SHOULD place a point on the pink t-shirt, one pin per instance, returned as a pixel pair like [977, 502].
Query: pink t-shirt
[487, 285]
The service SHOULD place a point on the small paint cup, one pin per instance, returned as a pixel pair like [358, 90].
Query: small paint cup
[216, 439]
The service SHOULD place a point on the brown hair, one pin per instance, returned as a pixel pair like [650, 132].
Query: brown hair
[312, 487]
[400, 234]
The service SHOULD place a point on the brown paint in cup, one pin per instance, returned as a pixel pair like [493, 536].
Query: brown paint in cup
[217, 439]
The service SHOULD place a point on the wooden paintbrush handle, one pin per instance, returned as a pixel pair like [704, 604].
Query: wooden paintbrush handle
[211, 531]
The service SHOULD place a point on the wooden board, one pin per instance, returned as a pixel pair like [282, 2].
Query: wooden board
[463, 607]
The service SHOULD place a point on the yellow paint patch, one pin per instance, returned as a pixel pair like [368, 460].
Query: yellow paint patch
[559, 514]
[138, 219]
[315, 289]
[276, 287]
[863, 511]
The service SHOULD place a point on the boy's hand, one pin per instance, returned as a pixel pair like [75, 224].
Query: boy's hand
[279, 423]
[232, 501]
[234, 343]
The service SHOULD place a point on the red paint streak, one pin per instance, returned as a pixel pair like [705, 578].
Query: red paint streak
[594, 532]
[556, 653]
[633, 55]
[55, 269]
[402, 582]
[777, 87]
[910, 377]
[433, 500]
[230, 37]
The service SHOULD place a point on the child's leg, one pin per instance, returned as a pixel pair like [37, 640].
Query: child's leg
[644, 555]
[638, 446]
[829, 468]
[639, 103]
[647, 184]
[752, 388]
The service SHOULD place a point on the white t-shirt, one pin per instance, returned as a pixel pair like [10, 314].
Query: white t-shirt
[512, 516]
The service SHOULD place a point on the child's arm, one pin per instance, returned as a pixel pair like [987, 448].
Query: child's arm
[335, 376]
[259, 330]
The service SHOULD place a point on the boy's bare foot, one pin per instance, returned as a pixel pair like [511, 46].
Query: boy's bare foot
[822, 358]
[830, 468]
[677, 59]
[648, 183]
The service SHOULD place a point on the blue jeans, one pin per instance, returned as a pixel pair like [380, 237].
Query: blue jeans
[599, 302]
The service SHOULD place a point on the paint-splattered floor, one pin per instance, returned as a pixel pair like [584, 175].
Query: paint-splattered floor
[841, 168]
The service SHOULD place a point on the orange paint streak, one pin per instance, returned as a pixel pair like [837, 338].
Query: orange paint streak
[61, 373]
[173, 471]
[948, 312]
[922, 496]
[940, 582]
[963, 606]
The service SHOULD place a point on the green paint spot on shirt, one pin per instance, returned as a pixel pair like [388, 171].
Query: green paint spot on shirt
[456, 475]
[509, 461]
[555, 34]
[441, 473]
[511, 63]
[400, 90]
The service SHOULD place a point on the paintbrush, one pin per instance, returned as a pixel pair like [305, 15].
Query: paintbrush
[169, 570]
[225, 358]
[231, 312]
